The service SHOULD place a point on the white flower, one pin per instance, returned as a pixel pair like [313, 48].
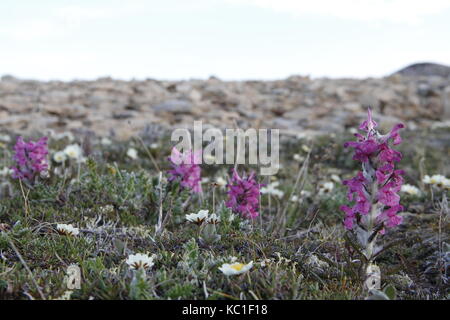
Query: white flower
[5, 138]
[205, 180]
[154, 146]
[221, 182]
[67, 229]
[105, 141]
[426, 179]
[235, 268]
[132, 153]
[409, 189]
[272, 189]
[74, 151]
[446, 183]
[295, 198]
[306, 148]
[60, 136]
[213, 219]
[197, 218]
[298, 157]
[438, 180]
[5, 172]
[326, 187]
[139, 260]
[335, 178]
[60, 156]
[305, 193]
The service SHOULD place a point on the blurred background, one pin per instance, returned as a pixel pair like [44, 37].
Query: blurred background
[230, 39]
[120, 68]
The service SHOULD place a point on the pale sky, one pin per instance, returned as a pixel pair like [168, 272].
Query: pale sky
[230, 39]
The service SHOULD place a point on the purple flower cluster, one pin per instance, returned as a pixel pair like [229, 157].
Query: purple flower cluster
[243, 195]
[186, 170]
[377, 186]
[30, 158]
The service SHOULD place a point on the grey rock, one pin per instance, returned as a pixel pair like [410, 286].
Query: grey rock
[425, 69]
[174, 106]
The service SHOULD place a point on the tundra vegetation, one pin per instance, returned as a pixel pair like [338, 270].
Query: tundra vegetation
[140, 225]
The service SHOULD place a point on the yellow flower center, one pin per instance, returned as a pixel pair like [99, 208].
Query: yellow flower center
[237, 266]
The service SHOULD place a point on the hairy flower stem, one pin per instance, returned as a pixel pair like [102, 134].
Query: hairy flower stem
[371, 224]
[214, 198]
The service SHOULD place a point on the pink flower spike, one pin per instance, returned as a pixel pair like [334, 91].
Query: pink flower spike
[185, 170]
[378, 175]
[243, 195]
[369, 124]
[30, 158]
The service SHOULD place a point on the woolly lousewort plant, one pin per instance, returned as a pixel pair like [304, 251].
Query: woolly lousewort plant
[243, 195]
[30, 159]
[185, 170]
[374, 190]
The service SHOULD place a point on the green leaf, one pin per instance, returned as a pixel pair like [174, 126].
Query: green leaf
[377, 295]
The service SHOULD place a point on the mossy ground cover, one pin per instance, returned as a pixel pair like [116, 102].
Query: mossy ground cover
[300, 249]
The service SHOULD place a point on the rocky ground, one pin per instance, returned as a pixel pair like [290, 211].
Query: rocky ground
[296, 104]
[110, 188]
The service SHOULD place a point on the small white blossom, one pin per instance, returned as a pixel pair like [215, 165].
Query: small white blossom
[305, 193]
[132, 153]
[139, 260]
[60, 157]
[326, 188]
[221, 182]
[105, 141]
[67, 229]
[437, 180]
[306, 148]
[154, 146]
[5, 138]
[409, 189]
[298, 157]
[74, 151]
[235, 268]
[197, 218]
[335, 178]
[60, 136]
[205, 180]
[5, 172]
[272, 190]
